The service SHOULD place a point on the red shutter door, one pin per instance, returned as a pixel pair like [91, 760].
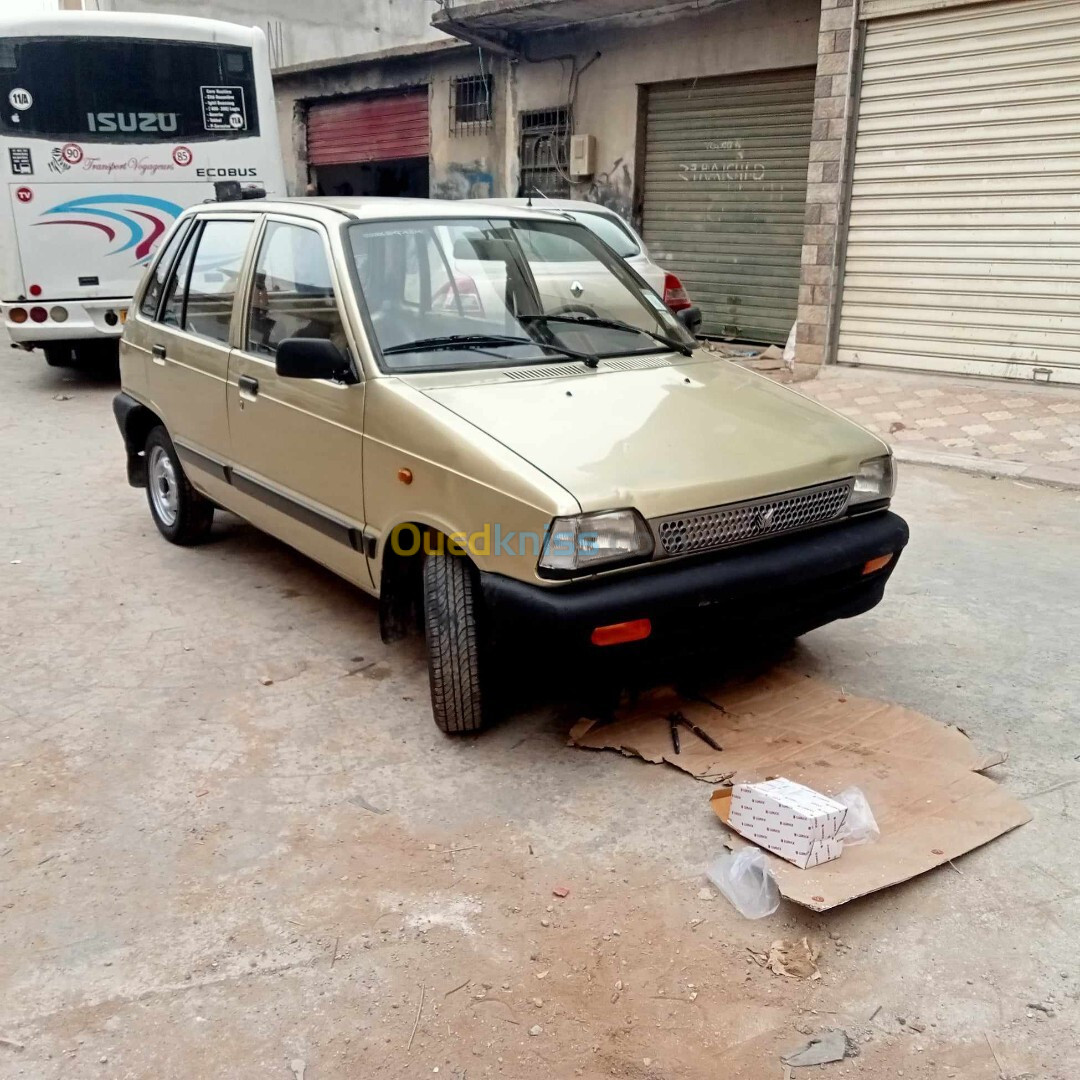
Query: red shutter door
[369, 129]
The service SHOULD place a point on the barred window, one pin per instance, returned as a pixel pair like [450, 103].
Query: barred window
[470, 104]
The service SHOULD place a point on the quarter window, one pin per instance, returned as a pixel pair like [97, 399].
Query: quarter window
[292, 293]
[156, 286]
[214, 277]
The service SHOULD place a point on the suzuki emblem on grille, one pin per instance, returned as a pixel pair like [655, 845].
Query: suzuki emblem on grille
[765, 517]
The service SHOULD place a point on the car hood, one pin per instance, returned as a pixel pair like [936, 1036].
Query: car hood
[670, 438]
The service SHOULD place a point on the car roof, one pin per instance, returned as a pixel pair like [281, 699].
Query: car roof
[365, 208]
[538, 202]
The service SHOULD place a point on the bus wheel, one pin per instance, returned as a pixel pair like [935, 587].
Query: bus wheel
[59, 355]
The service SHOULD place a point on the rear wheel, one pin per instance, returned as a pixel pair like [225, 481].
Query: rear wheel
[59, 355]
[451, 603]
[181, 514]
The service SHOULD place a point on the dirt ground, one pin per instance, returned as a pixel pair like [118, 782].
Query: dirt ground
[233, 844]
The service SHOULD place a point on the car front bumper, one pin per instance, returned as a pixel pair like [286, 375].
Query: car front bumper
[768, 590]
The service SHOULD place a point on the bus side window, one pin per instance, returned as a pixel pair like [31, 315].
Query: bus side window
[156, 286]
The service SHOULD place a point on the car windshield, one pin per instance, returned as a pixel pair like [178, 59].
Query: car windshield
[449, 294]
[612, 231]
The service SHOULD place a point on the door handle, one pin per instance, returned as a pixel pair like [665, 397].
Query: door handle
[158, 352]
[248, 386]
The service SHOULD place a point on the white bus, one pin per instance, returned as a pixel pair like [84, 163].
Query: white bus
[111, 124]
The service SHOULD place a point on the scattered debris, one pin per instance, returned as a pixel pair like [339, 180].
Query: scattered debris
[875, 1012]
[1002, 1074]
[746, 881]
[460, 986]
[1038, 1006]
[916, 1025]
[61, 397]
[706, 894]
[266, 681]
[13, 1043]
[795, 959]
[831, 1045]
[897, 425]
[299, 1068]
[561, 891]
[416, 1022]
[536, 1029]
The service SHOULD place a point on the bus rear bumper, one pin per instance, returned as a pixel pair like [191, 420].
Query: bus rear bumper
[80, 320]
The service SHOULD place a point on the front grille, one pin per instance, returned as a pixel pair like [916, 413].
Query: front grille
[723, 526]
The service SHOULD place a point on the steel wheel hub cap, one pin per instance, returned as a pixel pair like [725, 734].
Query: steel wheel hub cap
[164, 490]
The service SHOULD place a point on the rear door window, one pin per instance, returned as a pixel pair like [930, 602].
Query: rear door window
[156, 286]
[215, 275]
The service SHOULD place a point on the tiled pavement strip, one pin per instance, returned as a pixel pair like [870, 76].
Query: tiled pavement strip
[1022, 430]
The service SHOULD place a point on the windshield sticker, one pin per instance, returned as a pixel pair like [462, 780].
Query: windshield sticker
[21, 162]
[20, 99]
[223, 108]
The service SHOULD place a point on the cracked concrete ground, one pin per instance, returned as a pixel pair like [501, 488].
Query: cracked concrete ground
[205, 876]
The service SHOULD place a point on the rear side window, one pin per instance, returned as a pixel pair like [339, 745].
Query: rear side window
[172, 314]
[611, 231]
[215, 274]
[292, 293]
[156, 285]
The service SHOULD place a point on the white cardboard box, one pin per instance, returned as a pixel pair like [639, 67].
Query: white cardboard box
[790, 820]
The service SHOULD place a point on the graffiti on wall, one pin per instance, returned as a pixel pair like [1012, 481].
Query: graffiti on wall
[465, 180]
[613, 189]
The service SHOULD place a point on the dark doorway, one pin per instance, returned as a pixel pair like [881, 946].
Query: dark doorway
[404, 178]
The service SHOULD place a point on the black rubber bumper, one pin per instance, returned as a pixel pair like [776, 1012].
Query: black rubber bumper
[772, 590]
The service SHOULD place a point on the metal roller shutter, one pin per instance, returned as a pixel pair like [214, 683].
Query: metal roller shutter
[725, 195]
[964, 241]
[369, 129]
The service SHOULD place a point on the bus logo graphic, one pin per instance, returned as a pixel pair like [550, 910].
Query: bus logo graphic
[24, 194]
[132, 221]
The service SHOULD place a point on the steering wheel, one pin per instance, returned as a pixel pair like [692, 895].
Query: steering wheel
[575, 309]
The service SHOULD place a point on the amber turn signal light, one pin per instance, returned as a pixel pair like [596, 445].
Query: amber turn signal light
[17, 314]
[876, 564]
[405, 475]
[621, 632]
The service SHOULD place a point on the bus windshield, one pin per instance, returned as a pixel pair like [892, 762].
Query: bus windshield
[126, 90]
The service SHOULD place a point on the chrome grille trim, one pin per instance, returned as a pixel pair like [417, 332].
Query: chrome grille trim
[755, 519]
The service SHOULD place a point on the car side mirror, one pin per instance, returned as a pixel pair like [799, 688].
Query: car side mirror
[312, 358]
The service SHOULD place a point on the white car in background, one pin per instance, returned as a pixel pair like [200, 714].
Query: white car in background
[625, 242]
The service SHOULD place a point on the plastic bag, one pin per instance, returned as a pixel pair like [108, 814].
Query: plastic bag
[789, 348]
[745, 879]
[859, 826]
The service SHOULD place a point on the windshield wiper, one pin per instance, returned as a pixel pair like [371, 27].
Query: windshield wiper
[482, 341]
[613, 324]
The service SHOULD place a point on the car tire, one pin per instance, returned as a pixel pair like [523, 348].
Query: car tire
[181, 514]
[453, 643]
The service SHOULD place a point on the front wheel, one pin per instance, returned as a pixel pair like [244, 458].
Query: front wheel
[451, 605]
[181, 514]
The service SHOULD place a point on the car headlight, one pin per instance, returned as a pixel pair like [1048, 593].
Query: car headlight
[875, 481]
[585, 542]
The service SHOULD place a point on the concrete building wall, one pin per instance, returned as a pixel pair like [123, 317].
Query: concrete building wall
[312, 30]
[746, 36]
[461, 165]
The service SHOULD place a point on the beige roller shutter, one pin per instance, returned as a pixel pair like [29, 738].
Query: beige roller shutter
[725, 195]
[963, 249]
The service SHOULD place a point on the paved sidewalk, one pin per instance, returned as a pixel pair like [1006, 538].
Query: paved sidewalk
[1014, 429]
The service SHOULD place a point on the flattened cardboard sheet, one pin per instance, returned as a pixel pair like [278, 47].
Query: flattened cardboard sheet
[921, 778]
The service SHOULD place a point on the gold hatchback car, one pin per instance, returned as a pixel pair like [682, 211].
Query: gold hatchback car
[485, 418]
